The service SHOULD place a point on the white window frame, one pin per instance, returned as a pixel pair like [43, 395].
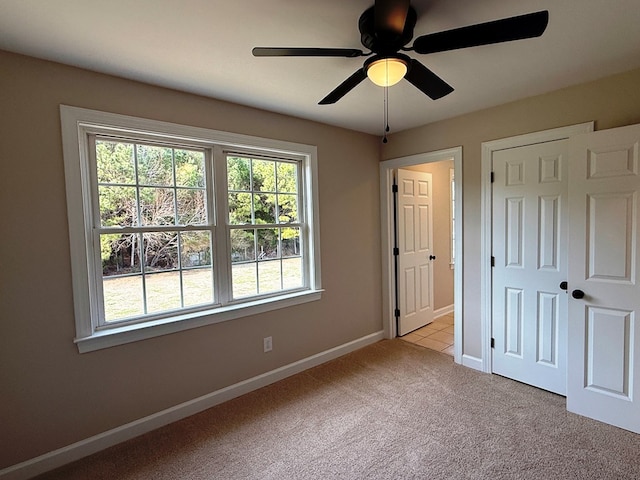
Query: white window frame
[77, 125]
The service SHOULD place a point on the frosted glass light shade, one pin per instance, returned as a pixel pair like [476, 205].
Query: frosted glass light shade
[387, 71]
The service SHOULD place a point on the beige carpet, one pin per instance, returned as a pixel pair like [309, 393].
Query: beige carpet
[392, 410]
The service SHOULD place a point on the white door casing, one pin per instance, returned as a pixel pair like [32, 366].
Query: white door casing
[529, 247]
[415, 243]
[604, 334]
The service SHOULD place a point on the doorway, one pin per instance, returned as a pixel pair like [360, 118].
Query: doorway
[387, 175]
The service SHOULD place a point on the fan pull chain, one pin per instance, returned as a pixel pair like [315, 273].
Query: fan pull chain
[386, 115]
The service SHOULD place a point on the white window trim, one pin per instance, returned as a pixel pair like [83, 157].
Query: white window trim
[75, 122]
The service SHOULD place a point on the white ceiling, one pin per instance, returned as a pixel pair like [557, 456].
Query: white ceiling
[204, 47]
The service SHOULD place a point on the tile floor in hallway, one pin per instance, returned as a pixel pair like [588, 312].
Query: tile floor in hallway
[438, 335]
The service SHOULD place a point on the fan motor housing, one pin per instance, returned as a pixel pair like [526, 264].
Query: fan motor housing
[384, 42]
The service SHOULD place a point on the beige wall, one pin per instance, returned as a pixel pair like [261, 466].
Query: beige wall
[52, 396]
[611, 102]
[441, 207]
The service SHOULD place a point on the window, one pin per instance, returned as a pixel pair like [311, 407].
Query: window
[173, 227]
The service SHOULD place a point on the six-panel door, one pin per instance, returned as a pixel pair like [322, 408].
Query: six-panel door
[415, 241]
[604, 335]
[529, 245]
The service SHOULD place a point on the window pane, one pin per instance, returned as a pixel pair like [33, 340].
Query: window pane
[120, 254]
[155, 165]
[269, 276]
[115, 162]
[292, 273]
[265, 208]
[157, 206]
[189, 168]
[264, 175]
[163, 291]
[192, 209]
[244, 279]
[288, 208]
[287, 177]
[160, 251]
[290, 242]
[117, 206]
[195, 249]
[267, 243]
[240, 208]
[242, 246]
[122, 297]
[238, 174]
[197, 286]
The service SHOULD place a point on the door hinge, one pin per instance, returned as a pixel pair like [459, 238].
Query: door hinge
[397, 313]
[493, 343]
[493, 261]
[493, 177]
[394, 188]
[396, 251]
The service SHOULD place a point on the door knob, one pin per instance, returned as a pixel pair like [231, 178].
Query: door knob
[577, 294]
[432, 257]
[563, 285]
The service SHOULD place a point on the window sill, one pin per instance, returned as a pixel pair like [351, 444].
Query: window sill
[133, 333]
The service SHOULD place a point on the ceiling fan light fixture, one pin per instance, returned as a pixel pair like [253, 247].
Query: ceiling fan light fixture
[385, 72]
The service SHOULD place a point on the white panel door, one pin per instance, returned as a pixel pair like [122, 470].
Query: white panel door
[415, 240]
[529, 325]
[604, 334]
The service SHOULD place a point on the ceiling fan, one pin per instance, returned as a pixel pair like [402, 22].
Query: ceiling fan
[387, 27]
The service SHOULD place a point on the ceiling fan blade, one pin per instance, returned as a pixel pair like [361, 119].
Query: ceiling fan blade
[390, 16]
[344, 88]
[426, 81]
[305, 52]
[497, 31]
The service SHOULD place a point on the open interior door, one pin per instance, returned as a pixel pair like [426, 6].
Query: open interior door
[415, 244]
[604, 304]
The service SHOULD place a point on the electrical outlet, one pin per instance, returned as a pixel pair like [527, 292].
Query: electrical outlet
[268, 344]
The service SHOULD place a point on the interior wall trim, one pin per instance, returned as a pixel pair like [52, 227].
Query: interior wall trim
[440, 312]
[472, 362]
[96, 443]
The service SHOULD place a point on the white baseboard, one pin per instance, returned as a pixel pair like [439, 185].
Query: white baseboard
[443, 311]
[83, 448]
[472, 362]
